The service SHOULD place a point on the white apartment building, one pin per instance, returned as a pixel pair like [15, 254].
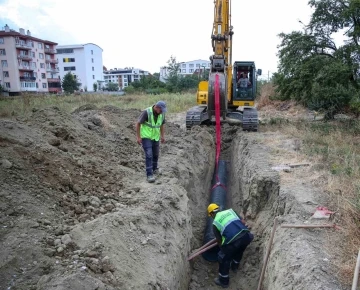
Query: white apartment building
[124, 77]
[187, 68]
[83, 60]
[27, 63]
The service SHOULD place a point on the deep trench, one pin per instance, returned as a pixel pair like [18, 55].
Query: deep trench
[253, 190]
[204, 268]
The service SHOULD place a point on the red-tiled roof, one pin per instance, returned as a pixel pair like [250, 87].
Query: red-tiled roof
[14, 33]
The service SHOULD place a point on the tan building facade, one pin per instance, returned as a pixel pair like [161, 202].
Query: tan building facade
[27, 64]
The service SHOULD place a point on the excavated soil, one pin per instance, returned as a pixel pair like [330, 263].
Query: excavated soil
[77, 213]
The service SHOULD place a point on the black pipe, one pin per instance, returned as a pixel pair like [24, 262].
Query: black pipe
[218, 196]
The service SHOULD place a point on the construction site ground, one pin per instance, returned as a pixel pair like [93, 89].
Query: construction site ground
[76, 212]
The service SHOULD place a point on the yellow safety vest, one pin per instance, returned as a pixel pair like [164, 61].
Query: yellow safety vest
[150, 129]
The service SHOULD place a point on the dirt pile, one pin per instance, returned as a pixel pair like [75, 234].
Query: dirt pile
[77, 213]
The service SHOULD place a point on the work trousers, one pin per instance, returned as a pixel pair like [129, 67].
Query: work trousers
[151, 149]
[232, 253]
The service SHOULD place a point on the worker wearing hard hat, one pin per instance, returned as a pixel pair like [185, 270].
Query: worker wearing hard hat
[233, 236]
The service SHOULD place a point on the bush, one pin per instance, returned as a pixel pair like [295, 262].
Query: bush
[130, 90]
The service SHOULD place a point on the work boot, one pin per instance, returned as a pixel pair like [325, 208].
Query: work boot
[218, 282]
[150, 179]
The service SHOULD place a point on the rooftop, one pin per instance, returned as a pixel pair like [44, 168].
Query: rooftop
[10, 32]
[76, 46]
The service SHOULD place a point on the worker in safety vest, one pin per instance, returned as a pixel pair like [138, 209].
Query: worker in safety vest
[233, 236]
[149, 131]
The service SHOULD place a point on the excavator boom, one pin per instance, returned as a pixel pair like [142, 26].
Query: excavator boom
[233, 94]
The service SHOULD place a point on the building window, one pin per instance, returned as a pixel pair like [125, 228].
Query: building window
[40, 46]
[42, 65]
[92, 60]
[69, 68]
[1, 40]
[204, 64]
[68, 59]
[64, 50]
[33, 65]
[93, 68]
[191, 70]
[7, 85]
[41, 55]
[4, 63]
[198, 65]
[43, 76]
[37, 85]
[183, 65]
[2, 52]
[191, 65]
[44, 85]
[93, 77]
[92, 52]
[35, 74]
[6, 74]
[184, 70]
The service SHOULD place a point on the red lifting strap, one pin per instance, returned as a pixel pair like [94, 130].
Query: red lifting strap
[218, 129]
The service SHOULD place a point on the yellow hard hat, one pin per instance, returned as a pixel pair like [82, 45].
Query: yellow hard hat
[212, 207]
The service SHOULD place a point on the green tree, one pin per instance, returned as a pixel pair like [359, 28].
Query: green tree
[95, 86]
[70, 83]
[112, 87]
[173, 77]
[312, 68]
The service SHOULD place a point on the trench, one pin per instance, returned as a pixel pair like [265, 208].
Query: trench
[253, 190]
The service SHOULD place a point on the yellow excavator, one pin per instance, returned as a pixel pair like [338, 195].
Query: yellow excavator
[237, 81]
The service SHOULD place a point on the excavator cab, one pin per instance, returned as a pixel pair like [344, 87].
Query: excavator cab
[244, 84]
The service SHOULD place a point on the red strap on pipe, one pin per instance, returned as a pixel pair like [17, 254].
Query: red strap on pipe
[218, 130]
[217, 120]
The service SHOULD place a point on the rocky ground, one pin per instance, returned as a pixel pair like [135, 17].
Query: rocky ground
[77, 213]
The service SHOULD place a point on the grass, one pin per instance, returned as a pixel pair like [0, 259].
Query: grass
[23, 105]
[335, 145]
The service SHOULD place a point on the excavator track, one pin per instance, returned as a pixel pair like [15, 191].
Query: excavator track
[196, 116]
[250, 119]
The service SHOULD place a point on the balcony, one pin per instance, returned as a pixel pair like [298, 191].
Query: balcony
[23, 45]
[53, 80]
[51, 61]
[25, 67]
[24, 57]
[28, 89]
[52, 70]
[28, 79]
[55, 90]
[50, 51]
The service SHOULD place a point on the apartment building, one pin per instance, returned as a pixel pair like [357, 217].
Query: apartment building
[27, 63]
[83, 60]
[187, 68]
[124, 77]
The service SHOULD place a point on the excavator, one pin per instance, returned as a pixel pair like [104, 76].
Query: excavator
[237, 81]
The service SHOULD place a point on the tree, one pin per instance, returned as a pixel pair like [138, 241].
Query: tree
[312, 68]
[95, 86]
[70, 83]
[113, 87]
[172, 79]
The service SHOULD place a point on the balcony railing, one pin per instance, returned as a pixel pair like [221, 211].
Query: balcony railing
[25, 67]
[23, 45]
[29, 89]
[53, 80]
[26, 57]
[51, 60]
[32, 79]
[49, 50]
[52, 70]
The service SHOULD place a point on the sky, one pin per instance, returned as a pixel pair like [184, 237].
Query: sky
[145, 33]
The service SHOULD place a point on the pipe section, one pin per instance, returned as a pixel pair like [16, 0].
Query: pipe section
[218, 196]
